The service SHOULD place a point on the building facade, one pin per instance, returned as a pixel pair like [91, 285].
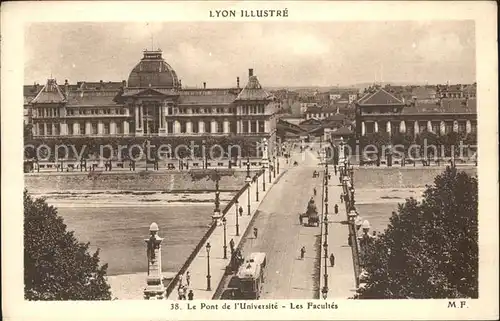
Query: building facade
[152, 103]
[381, 111]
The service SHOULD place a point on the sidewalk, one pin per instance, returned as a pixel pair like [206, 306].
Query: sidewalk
[341, 283]
[199, 267]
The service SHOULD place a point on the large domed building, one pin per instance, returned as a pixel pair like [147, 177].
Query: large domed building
[152, 102]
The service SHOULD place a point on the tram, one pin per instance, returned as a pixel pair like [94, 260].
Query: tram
[251, 276]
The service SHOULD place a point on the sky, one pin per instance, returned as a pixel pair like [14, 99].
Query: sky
[281, 53]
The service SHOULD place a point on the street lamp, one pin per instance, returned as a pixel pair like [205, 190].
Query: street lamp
[274, 166]
[204, 154]
[353, 242]
[224, 222]
[324, 291]
[263, 178]
[209, 288]
[256, 187]
[248, 180]
[217, 215]
[326, 225]
[270, 175]
[236, 213]
[325, 246]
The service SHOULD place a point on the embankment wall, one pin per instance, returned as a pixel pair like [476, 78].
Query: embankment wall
[132, 181]
[399, 177]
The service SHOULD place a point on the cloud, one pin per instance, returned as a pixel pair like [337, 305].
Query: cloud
[291, 53]
[439, 47]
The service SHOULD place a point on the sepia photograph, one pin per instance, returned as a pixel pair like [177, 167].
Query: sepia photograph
[238, 163]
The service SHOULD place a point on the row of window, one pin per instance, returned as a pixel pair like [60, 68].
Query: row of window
[320, 115]
[257, 109]
[54, 112]
[410, 129]
[52, 129]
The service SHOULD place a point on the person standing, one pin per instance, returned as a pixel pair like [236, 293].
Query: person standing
[335, 169]
[332, 260]
[231, 246]
[314, 191]
[255, 232]
[181, 279]
[302, 252]
[188, 278]
[190, 295]
[341, 199]
[241, 211]
[336, 209]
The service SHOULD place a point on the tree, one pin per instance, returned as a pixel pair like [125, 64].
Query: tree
[56, 265]
[430, 249]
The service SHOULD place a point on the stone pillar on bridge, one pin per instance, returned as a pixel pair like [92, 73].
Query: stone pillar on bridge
[155, 290]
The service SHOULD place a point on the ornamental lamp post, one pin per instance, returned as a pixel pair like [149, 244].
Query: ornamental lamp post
[224, 222]
[365, 226]
[204, 155]
[248, 181]
[324, 292]
[274, 166]
[217, 215]
[270, 175]
[256, 178]
[237, 222]
[263, 178]
[325, 246]
[207, 247]
[326, 225]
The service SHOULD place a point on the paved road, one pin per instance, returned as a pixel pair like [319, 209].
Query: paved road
[281, 236]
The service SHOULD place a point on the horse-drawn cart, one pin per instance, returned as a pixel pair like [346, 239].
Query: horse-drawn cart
[311, 215]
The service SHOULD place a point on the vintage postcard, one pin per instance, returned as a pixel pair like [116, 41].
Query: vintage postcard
[249, 160]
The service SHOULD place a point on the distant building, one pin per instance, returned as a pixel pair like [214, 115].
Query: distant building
[380, 110]
[151, 103]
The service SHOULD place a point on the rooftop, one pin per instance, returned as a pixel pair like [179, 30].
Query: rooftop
[379, 97]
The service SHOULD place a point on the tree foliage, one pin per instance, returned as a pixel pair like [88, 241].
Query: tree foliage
[430, 249]
[56, 265]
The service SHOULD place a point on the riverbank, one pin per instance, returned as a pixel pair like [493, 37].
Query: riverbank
[101, 199]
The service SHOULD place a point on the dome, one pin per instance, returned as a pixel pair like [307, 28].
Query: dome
[153, 71]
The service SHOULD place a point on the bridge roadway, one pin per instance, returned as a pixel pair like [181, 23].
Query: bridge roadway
[281, 236]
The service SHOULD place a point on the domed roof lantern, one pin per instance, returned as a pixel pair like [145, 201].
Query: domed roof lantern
[154, 70]
[154, 227]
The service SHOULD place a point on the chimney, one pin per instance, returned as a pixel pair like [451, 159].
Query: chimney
[66, 88]
[204, 85]
[238, 82]
[250, 72]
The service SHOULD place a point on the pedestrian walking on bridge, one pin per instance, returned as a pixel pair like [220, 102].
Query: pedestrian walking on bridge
[335, 169]
[315, 192]
[188, 278]
[336, 209]
[190, 295]
[255, 232]
[231, 246]
[302, 252]
[332, 260]
[241, 211]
